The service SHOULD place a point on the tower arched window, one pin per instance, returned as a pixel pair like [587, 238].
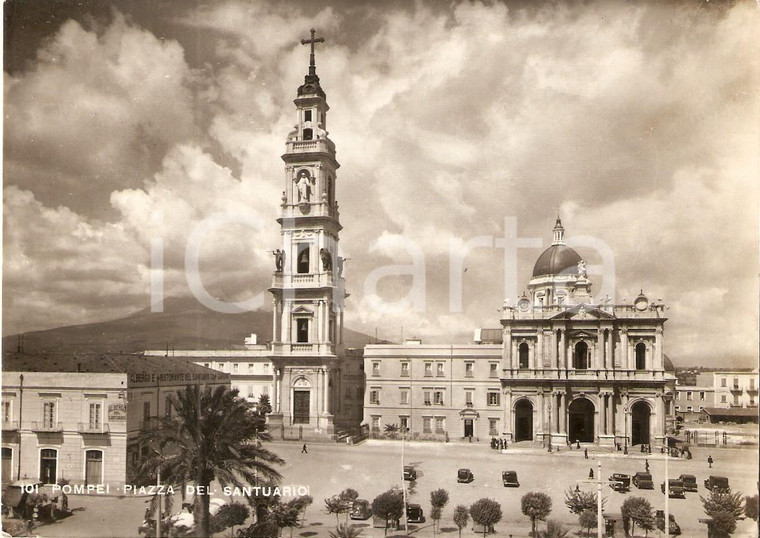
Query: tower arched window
[308, 134]
[523, 353]
[580, 357]
[303, 259]
[641, 356]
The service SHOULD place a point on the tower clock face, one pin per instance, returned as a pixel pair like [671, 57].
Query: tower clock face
[523, 304]
[641, 303]
[308, 88]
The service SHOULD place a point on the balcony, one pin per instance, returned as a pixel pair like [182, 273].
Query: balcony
[47, 427]
[302, 280]
[93, 429]
[319, 145]
[10, 425]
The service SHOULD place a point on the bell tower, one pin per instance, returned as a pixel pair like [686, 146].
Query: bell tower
[308, 286]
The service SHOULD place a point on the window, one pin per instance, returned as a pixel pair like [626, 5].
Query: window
[403, 424]
[375, 368]
[678, 408]
[235, 368]
[736, 382]
[7, 412]
[250, 367]
[302, 266]
[426, 425]
[493, 369]
[523, 352]
[48, 414]
[641, 356]
[404, 369]
[439, 424]
[736, 399]
[493, 397]
[168, 406]
[751, 383]
[302, 330]
[493, 426]
[375, 423]
[439, 369]
[689, 408]
[146, 411]
[468, 398]
[438, 397]
[95, 415]
[723, 399]
[404, 397]
[468, 368]
[374, 396]
[688, 395]
[428, 369]
[266, 368]
[580, 356]
[701, 396]
[48, 465]
[426, 397]
[678, 395]
[308, 134]
[307, 115]
[723, 381]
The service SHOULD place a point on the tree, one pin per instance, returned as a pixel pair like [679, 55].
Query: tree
[554, 529]
[304, 501]
[344, 530]
[486, 512]
[751, 506]
[536, 506]
[208, 436]
[335, 505]
[461, 517]
[638, 511]
[229, 516]
[389, 506]
[391, 430]
[579, 501]
[587, 520]
[264, 405]
[723, 508]
[438, 499]
[285, 515]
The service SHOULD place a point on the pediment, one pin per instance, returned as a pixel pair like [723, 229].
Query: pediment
[583, 311]
[302, 310]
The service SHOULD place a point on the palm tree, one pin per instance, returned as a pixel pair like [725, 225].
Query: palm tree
[344, 530]
[208, 436]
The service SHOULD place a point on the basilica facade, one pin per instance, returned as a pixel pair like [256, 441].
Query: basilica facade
[560, 370]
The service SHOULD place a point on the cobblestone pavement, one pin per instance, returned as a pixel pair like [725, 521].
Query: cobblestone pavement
[375, 466]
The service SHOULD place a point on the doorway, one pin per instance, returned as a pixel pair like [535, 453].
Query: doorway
[48, 465]
[581, 421]
[524, 421]
[93, 469]
[301, 406]
[7, 464]
[640, 415]
[468, 429]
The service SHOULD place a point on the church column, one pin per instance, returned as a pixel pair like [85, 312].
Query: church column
[595, 359]
[659, 361]
[562, 352]
[541, 411]
[508, 412]
[323, 373]
[531, 357]
[507, 348]
[608, 342]
[562, 412]
[554, 354]
[340, 329]
[540, 349]
[624, 348]
[610, 413]
[276, 390]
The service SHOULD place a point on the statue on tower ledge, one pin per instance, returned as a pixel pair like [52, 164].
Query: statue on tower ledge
[326, 258]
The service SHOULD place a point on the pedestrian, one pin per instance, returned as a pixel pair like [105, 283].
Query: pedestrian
[591, 473]
[646, 465]
[585, 453]
[709, 461]
[303, 450]
[578, 444]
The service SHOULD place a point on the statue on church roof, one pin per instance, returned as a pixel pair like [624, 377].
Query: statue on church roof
[303, 184]
[582, 269]
[326, 258]
[321, 133]
[293, 135]
[279, 260]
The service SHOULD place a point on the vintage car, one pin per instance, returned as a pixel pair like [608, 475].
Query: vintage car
[620, 482]
[465, 475]
[361, 509]
[29, 498]
[409, 472]
[675, 488]
[414, 514]
[659, 519]
[643, 481]
[689, 482]
[719, 483]
[509, 479]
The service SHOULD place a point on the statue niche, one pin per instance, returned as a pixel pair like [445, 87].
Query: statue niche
[326, 258]
[304, 184]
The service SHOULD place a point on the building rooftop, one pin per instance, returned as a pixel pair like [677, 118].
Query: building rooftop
[731, 411]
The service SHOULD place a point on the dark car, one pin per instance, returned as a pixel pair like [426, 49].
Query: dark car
[659, 519]
[689, 482]
[620, 482]
[465, 475]
[717, 483]
[409, 473]
[509, 478]
[675, 488]
[361, 509]
[414, 514]
[643, 481]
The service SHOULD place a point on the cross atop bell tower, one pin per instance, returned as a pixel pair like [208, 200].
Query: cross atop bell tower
[312, 65]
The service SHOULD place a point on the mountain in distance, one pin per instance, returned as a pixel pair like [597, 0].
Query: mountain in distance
[184, 324]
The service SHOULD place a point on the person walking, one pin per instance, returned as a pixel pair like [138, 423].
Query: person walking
[709, 461]
[585, 453]
[646, 465]
[303, 450]
[591, 473]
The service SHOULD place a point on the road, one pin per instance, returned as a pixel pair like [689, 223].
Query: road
[375, 466]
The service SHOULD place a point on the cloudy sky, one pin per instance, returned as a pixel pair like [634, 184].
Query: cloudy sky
[131, 122]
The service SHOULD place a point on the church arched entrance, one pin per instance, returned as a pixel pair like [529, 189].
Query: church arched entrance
[581, 421]
[523, 421]
[640, 417]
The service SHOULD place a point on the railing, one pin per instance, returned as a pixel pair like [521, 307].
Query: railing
[10, 425]
[308, 146]
[302, 348]
[85, 427]
[47, 426]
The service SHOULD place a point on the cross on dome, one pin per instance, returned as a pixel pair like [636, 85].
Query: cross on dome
[312, 66]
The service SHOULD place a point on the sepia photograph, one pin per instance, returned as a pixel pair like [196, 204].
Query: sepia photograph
[392, 268]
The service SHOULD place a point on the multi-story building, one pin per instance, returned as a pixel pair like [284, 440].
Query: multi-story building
[564, 370]
[692, 400]
[732, 388]
[80, 418]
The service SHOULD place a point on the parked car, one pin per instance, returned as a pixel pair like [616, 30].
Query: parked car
[717, 483]
[414, 514]
[675, 488]
[659, 518]
[620, 482]
[509, 478]
[689, 482]
[361, 509]
[643, 481]
[465, 475]
[409, 472]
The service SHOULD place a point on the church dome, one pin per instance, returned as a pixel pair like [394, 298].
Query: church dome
[556, 260]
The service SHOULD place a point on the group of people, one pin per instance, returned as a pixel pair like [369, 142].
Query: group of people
[498, 443]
